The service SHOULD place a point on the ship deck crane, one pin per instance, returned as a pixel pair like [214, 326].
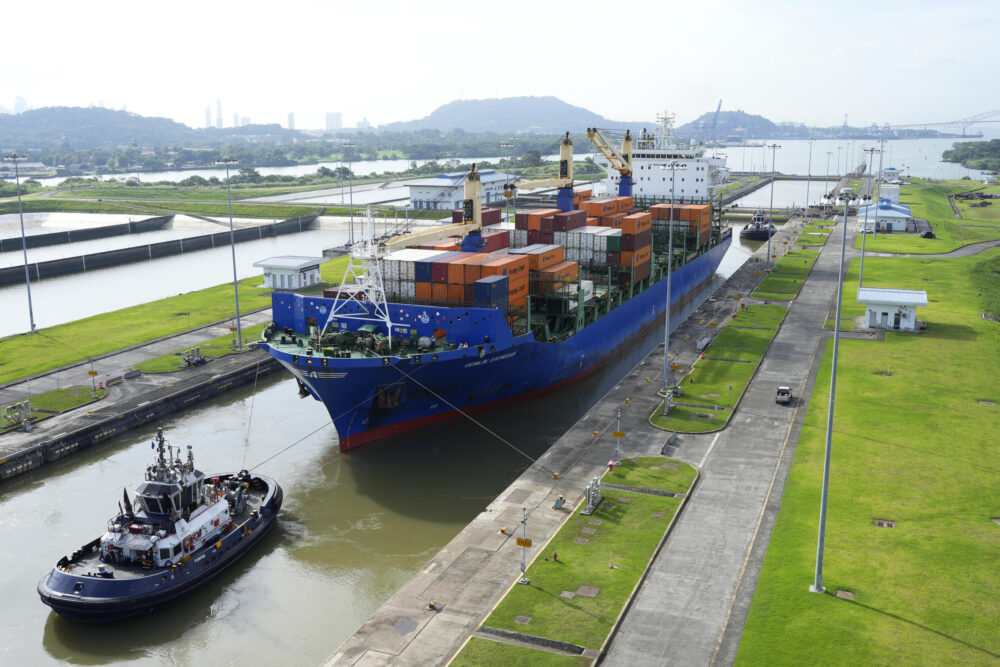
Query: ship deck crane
[470, 228]
[620, 161]
[564, 197]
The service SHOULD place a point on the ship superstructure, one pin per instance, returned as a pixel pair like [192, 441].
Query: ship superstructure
[697, 174]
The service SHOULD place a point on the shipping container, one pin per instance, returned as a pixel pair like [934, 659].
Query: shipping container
[439, 294]
[514, 267]
[637, 222]
[637, 256]
[614, 220]
[423, 269]
[491, 216]
[624, 203]
[552, 278]
[496, 240]
[439, 268]
[518, 289]
[636, 241]
[540, 257]
[535, 217]
[520, 221]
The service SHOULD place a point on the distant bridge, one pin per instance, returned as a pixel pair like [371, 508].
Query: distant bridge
[962, 123]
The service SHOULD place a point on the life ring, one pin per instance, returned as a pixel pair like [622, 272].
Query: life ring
[189, 543]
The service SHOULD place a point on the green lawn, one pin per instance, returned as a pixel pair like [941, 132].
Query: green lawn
[786, 276]
[914, 444]
[627, 532]
[815, 234]
[486, 653]
[50, 205]
[212, 349]
[708, 383]
[929, 200]
[653, 472]
[26, 354]
[59, 400]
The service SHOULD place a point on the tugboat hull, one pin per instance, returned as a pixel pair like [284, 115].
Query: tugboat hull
[95, 597]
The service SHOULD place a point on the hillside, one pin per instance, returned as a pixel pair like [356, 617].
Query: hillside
[730, 122]
[81, 127]
[509, 114]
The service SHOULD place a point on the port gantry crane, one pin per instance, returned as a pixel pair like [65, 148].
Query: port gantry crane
[621, 161]
[564, 196]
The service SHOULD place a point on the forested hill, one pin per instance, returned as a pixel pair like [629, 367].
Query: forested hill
[728, 122]
[983, 155]
[81, 127]
[509, 114]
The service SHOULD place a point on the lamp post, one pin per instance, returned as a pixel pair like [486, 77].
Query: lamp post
[809, 176]
[839, 172]
[509, 148]
[14, 157]
[673, 166]
[770, 211]
[138, 179]
[348, 147]
[829, 154]
[226, 161]
[864, 229]
[879, 193]
[817, 585]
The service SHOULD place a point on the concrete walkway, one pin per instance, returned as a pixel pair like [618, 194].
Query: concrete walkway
[692, 607]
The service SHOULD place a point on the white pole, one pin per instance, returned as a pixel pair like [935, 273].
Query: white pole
[674, 164]
[774, 150]
[14, 157]
[809, 176]
[232, 244]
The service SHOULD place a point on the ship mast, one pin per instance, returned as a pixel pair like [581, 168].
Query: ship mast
[365, 271]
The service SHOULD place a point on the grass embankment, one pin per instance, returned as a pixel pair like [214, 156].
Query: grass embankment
[915, 443]
[50, 205]
[929, 200]
[815, 234]
[626, 533]
[485, 653]
[730, 361]
[221, 209]
[786, 276]
[58, 400]
[211, 349]
[980, 215]
[26, 354]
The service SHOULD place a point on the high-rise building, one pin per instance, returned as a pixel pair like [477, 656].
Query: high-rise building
[20, 106]
[208, 116]
[245, 120]
[218, 114]
[291, 120]
[334, 121]
[236, 119]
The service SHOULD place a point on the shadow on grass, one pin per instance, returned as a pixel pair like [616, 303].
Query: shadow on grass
[920, 626]
[950, 332]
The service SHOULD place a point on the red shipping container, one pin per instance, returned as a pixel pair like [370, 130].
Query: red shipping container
[568, 220]
[546, 224]
[533, 236]
[457, 216]
[423, 292]
[520, 221]
[491, 216]
[439, 293]
[439, 268]
[546, 237]
[535, 217]
[614, 258]
[636, 241]
[470, 293]
[494, 241]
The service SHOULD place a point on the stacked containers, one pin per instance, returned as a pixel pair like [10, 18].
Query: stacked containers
[515, 267]
[490, 216]
[491, 292]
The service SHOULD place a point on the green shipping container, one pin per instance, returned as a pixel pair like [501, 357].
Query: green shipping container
[614, 244]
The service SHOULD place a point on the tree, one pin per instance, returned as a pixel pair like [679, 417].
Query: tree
[249, 175]
[530, 158]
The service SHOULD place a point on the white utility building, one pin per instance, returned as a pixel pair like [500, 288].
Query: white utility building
[890, 192]
[446, 191]
[886, 216]
[891, 308]
[290, 271]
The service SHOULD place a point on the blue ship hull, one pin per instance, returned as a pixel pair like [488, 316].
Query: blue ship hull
[495, 369]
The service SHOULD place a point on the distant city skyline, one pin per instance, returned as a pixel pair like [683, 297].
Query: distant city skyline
[912, 62]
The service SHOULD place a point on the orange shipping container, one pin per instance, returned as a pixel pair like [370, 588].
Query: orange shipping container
[639, 256]
[461, 273]
[535, 217]
[456, 295]
[553, 277]
[518, 305]
[515, 266]
[624, 203]
[423, 292]
[614, 220]
[517, 289]
[547, 256]
[593, 222]
[637, 222]
[439, 293]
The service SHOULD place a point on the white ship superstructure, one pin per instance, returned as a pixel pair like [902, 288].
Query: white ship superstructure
[697, 179]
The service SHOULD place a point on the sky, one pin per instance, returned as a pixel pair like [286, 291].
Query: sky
[899, 62]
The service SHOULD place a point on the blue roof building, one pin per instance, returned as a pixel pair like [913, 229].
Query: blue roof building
[886, 216]
[446, 191]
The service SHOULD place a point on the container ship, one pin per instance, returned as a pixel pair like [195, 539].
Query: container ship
[425, 330]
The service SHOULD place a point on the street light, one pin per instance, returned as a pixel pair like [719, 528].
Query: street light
[770, 212]
[14, 157]
[509, 147]
[674, 165]
[348, 147]
[817, 585]
[138, 179]
[226, 161]
[864, 229]
[829, 154]
[809, 176]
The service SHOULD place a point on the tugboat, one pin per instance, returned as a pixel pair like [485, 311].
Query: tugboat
[182, 529]
[759, 228]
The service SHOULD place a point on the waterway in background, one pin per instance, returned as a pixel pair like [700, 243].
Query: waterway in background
[62, 250]
[917, 157]
[786, 194]
[72, 297]
[354, 527]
